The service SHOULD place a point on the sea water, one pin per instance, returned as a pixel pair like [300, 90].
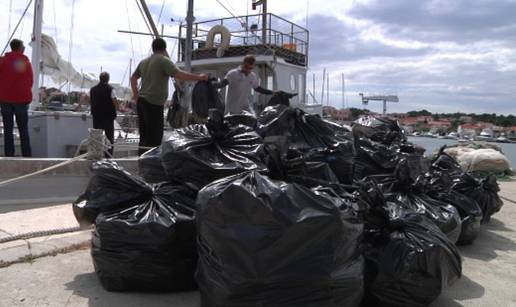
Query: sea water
[433, 144]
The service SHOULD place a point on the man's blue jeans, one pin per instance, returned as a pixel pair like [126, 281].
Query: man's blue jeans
[9, 112]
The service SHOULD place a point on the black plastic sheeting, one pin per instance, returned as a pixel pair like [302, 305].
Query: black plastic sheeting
[205, 97]
[270, 243]
[150, 166]
[110, 188]
[200, 154]
[409, 260]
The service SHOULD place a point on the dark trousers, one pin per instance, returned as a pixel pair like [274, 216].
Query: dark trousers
[108, 126]
[150, 123]
[9, 112]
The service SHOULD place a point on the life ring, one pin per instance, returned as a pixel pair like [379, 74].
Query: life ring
[225, 39]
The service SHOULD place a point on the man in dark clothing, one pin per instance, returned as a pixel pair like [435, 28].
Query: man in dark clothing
[155, 72]
[15, 96]
[103, 108]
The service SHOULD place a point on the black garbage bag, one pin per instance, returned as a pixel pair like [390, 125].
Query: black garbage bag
[270, 243]
[246, 119]
[379, 129]
[150, 246]
[443, 162]
[175, 113]
[374, 158]
[469, 211]
[441, 188]
[443, 215]
[284, 165]
[408, 187]
[409, 261]
[150, 167]
[304, 131]
[280, 97]
[205, 97]
[110, 188]
[484, 191]
[339, 159]
[200, 154]
[313, 138]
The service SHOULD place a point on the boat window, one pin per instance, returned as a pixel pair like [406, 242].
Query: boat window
[293, 82]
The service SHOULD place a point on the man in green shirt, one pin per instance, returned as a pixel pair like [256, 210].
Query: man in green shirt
[155, 72]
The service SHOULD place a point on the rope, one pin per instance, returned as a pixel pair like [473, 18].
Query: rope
[10, 14]
[17, 25]
[41, 233]
[130, 30]
[508, 199]
[144, 17]
[243, 24]
[13, 180]
[161, 12]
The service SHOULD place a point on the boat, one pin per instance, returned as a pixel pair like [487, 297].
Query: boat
[503, 139]
[280, 46]
[486, 135]
[451, 136]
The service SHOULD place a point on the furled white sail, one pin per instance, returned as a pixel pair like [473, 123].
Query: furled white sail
[60, 70]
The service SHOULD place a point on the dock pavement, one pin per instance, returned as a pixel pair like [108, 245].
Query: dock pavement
[57, 270]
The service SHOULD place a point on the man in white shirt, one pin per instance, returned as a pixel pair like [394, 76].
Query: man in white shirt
[241, 80]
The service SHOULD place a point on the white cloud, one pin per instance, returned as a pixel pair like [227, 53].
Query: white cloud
[412, 49]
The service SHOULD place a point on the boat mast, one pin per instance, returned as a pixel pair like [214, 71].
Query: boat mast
[189, 29]
[36, 49]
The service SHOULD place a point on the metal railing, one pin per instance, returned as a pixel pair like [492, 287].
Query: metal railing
[248, 30]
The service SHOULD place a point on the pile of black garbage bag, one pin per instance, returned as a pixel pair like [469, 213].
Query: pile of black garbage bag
[144, 237]
[286, 209]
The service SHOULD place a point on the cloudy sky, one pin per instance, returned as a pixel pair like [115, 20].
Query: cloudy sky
[440, 55]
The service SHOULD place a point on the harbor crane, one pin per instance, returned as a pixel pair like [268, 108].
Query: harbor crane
[384, 98]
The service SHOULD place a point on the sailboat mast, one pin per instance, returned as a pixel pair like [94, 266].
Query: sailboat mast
[189, 32]
[36, 48]
[343, 92]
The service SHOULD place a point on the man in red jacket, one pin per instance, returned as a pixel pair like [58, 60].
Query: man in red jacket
[16, 81]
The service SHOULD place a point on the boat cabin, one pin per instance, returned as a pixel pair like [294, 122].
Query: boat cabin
[280, 47]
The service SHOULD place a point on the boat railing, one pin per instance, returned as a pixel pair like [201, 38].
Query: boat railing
[248, 35]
